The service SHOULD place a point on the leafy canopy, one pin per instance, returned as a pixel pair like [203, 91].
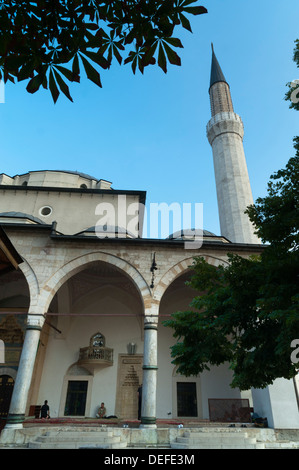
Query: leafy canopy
[47, 41]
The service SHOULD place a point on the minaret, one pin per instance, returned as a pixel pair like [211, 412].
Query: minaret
[225, 133]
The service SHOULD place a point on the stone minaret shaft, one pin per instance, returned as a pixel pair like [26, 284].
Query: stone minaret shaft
[225, 133]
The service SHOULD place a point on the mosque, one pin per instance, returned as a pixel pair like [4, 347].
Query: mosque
[83, 295]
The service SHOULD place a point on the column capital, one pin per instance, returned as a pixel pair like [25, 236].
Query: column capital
[150, 325]
[35, 321]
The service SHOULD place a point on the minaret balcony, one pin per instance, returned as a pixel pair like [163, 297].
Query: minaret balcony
[224, 123]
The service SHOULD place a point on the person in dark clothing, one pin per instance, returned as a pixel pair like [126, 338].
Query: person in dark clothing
[45, 411]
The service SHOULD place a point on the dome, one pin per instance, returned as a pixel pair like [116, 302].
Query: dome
[56, 179]
[190, 233]
[77, 173]
[106, 231]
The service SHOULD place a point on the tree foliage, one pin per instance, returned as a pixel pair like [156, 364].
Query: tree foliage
[247, 313]
[48, 41]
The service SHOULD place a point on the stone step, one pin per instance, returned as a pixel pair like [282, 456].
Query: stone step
[201, 440]
[77, 445]
[62, 435]
[176, 445]
[235, 440]
[229, 438]
[282, 445]
[78, 439]
[218, 435]
[217, 432]
[94, 438]
[119, 445]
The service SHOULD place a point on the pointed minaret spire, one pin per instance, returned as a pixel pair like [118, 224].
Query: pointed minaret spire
[225, 133]
[216, 72]
[219, 89]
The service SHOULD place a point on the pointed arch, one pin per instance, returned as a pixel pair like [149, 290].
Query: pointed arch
[179, 269]
[76, 265]
[32, 281]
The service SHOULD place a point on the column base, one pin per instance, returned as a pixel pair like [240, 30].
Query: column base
[13, 426]
[147, 426]
[12, 434]
[148, 422]
[15, 421]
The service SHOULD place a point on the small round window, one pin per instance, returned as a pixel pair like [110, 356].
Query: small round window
[45, 211]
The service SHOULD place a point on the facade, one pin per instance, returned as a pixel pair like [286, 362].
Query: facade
[82, 317]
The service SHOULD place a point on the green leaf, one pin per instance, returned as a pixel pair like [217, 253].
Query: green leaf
[187, 2]
[35, 83]
[98, 58]
[134, 64]
[172, 55]
[69, 74]
[91, 72]
[148, 56]
[62, 85]
[53, 87]
[25, 72]
[185, 22]
[91, 26]
[175, 42]
[75, 66]
[117, 54]
[162, 59]
[196, 10]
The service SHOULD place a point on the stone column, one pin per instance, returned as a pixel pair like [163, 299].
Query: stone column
[149, 385]
[25, 370]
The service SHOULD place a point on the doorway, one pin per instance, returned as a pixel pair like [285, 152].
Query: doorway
[187, 399]
[76, 398]
[6, 389]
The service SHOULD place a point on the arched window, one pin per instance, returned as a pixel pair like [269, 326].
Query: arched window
[97, 341]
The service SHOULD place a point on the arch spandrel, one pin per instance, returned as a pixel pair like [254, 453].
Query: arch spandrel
[78, 264]
[179, 269]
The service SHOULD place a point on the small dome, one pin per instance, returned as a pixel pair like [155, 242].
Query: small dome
[107, 230]
[77, 173]
[190, 233]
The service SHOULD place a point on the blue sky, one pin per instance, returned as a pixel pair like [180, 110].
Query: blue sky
[148, 132]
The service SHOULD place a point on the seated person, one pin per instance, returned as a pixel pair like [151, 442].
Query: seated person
[101, 411]
[258, 421]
